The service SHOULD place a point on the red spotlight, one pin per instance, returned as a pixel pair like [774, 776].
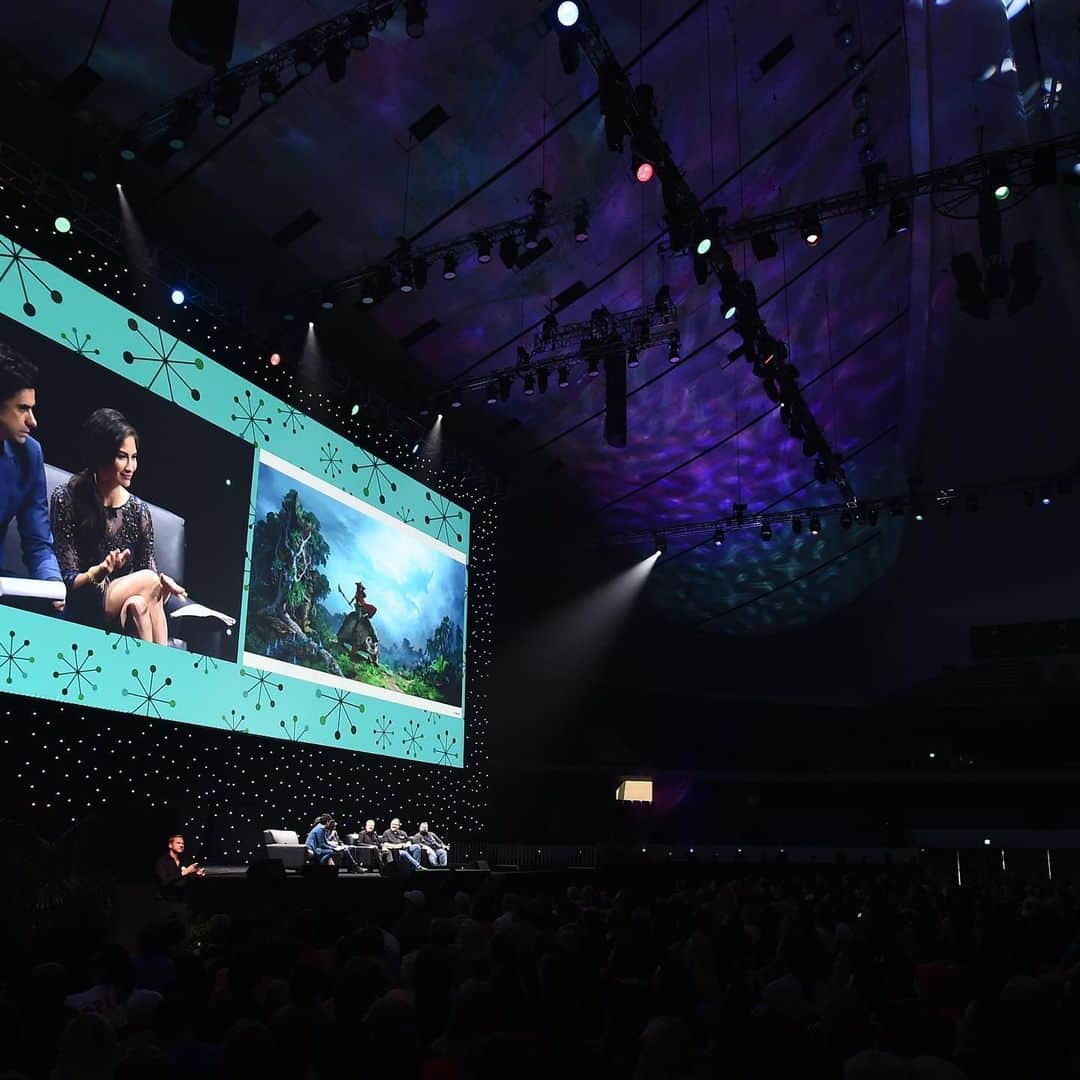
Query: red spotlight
[644, 171]
[275, 359]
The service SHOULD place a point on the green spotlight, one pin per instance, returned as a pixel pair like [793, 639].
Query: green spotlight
[355, 410]
[704, 245]
[62, 225]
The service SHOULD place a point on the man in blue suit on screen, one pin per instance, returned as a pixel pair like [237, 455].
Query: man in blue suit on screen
[22, 467]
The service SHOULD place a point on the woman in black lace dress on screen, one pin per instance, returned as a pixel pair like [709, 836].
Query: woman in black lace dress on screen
[104, 537]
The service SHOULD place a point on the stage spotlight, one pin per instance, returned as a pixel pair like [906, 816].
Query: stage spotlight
[703, 239]
[128, 146]
[564, 377]
[359, 29]
[419, 271]
[845, 36]
[845, 519]
[860, 98]
[796, 525]
[861, 128]
[177, 296]
[269, 87]
[62, 224]
[492, 394]
[592, 367]
[661, 544]
[764, 246]
[766, 531]
[532, 235]
[644, 170]
[815, 525]
[530, 384]
[275, 359]
[810, 228]
[567, 13]
[662, 302]
[183, 125]
[405, 280]
[455, 399]
[337, 59]
[999, 180]
[523, 355]
[508, 252]
[449, 267]
[917, 510]
[674, 351]
[483, 249]
[305, 59]
[1046, 497]
[326, 302]
[227, 101]
[549, 328]
[581, 227]
[416, 13]
[632, 360]
[899, 216]
[718, 535]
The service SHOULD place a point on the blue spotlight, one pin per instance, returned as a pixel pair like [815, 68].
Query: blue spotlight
[177, 296]
[567, 13]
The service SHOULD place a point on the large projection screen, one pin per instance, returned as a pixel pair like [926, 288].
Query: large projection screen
[335, 584]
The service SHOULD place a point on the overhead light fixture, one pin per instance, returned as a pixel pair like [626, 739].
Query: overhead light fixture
[662, 301]
[845, 36]
[999, 180]
[62, 224]
[632, 360]
[815, 525]
[185, 120]
[483, 249]
[449, 267]
[899, 216]
[674, 351]
[567, 13]
[269, 87]
[405, 280]
[530, 384]
[177, 296]
[326, 302]
[532, 234]
[455, 399]
[337, 59]
[766, 531]
[128, 146]
[581, 227]
[359, 29]
[564, 377]
[275, 359]
[718, 535]
[492, 395]
[305, 59]
[810, 228]
[592, 367]
[416, 13]
[227, 101]
[508, 252]
[644, 169]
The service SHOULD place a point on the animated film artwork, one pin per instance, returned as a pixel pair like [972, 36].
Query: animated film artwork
[340, 590]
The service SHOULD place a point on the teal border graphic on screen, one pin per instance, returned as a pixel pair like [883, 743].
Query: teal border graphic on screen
[46, 657]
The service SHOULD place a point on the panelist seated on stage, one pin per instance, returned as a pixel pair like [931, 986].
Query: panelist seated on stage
[174, 870]
[318, 842]
[397, 840]
[370, 836]
[431, 847]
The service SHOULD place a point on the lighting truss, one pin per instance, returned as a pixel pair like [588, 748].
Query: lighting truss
[605, 334]
[153, 124]
[459, 248]
[940, 502]
[635, 109]
[955, 183]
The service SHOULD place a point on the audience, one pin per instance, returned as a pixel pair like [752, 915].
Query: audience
[841, 975]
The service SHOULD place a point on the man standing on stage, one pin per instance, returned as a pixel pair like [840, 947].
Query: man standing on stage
[431, 846]
[174, 871]
[22, 468]
[397, 840]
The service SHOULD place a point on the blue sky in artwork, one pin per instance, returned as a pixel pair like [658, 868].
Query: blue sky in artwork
[412, 584]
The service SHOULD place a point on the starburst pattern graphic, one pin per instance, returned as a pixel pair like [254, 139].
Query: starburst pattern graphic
[330, 459]
[77, 671]
[261, 687]
[431, 717]
[382, 731]
[293, 731]
[251, 418]
[124, 640]
[164, 363]
[405, 515]
[339, 710]
[445, 751]
[205, 664]
[232, 722]
[14, 257]
[413, 739]
[150, 693]
[441, 516]
[377, 477]
[79, 342]
[293, 419]
[13, 658]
